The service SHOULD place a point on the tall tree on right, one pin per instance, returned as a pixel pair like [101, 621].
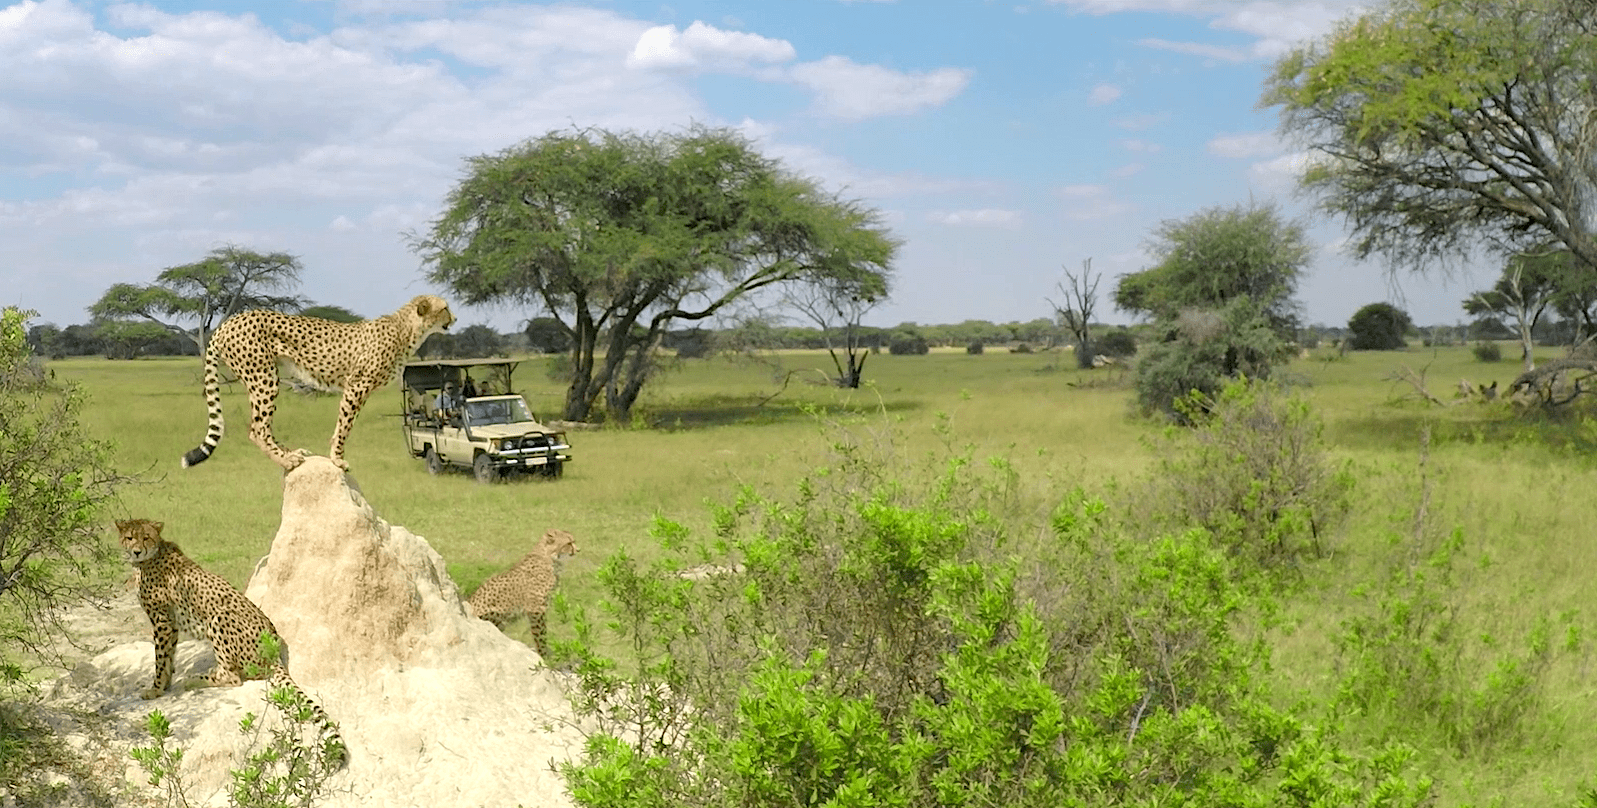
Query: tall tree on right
[1438, 126]
[1222, 291]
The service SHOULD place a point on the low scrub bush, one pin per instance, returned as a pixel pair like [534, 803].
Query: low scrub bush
[1254, 471]
[908, 345]
[1487, 351]
[871, 641]
[974, 348]
[1119, 343]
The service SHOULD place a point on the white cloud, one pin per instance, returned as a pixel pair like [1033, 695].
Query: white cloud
[1278, 25]
[1247, 144]
[1127, 170]
[1279, 176]
[705, 46]
[849, 90]
[1195, 49]
[1091, 202]
[1141, 146]
[1141, 121]
[1103, 94]
[986, 217]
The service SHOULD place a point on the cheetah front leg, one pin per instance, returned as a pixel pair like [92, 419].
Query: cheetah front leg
[165, 635]
[355, 395]
[263, 405]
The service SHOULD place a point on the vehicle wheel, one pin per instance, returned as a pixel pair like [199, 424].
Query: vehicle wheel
[484, 469]
[434, 465]
[554, 470]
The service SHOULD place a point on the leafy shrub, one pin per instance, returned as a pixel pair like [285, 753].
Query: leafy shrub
[1204, 351]
[974, 348]
[871, 642]
[908, 345]
[1487, 351]
[1021, 348]
[1119, 343]
[1379, 327]
[1255, 472]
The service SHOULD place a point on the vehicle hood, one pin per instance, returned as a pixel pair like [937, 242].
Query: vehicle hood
[516, 430]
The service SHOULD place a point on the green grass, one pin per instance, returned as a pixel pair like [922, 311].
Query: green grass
[1518, 487]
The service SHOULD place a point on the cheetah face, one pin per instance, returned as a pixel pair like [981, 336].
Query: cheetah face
[141, 539]
[433, 312]
[559, 543]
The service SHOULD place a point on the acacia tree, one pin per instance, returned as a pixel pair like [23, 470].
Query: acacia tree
[837, 303]
[1441, 125]
[619, 235]
[1379, 327]
[206, 292]
[53, 480]
[1080, 297]
[1221, 292]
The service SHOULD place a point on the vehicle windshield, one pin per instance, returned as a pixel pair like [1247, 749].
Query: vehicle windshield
[498, 411]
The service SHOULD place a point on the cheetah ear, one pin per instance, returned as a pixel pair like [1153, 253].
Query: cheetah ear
[157, 526]
[424, 305]
[122, 524]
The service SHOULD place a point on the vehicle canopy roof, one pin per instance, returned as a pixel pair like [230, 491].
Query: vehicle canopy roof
[432, 373]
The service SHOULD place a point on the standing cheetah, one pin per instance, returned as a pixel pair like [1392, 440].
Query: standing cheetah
[181, 596]
[526, 587]
[358, 357]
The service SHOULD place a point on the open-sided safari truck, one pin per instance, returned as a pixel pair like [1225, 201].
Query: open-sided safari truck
[491, 431]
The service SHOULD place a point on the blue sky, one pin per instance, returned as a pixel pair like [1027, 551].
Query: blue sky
[1003, 141]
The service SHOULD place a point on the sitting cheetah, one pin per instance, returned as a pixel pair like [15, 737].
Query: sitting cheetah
[526, 587]
[179, 595]
[358, 357]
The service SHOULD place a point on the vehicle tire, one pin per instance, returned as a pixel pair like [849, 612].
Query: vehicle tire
[484, 469]
[554, 471]
[434, 465]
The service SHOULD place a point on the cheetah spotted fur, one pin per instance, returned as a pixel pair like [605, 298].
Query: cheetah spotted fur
[357, 357]
[181, 596]
[526, 587]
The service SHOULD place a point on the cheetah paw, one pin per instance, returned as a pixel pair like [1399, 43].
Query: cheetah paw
[151, 693]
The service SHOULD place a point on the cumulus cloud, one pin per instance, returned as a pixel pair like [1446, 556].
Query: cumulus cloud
[1146, 120]
[1279, 176]
[1141, 146]
[986, 217]
[1277, 25]
[1103, 94]
[1127, 170]
[1247, 144]
[846, 89]
[705, 46]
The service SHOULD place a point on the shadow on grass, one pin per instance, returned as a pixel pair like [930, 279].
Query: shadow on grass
[716, 411]
[1572, 431]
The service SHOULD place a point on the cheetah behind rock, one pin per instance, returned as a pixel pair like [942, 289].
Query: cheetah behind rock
[181, 596]
[357, 357]
[526, 587]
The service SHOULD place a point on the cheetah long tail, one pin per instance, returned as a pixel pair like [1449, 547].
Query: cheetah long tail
[328, 736]
[213, 410]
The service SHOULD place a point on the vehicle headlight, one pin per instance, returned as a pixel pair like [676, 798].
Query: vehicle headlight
[506, 445]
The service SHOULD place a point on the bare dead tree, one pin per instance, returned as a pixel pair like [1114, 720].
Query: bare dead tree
[1080, 297]
[838, 304]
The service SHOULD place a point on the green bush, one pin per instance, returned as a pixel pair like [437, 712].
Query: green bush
[1379, 327]
[1021, 348]
[974, 348]
[1204, 350]
[873, 641]
[1119, 343]
[1488, 351]
[908, 345]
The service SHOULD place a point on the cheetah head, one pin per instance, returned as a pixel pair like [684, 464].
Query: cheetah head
[431, 314]
[141, 539]
[558, 543]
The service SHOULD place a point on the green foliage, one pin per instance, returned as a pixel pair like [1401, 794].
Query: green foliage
[975, 348]
[548, 335]
[873, 642]
[1407, 665]
[163, 763]
[1204, 351]
[230, 279]
[905, 344]
[1487, 351]
[337, 314]
[1404, 110]
[1255, 472]
[1119, 343]
[126, 339]
[1217, 256]
[53, 481]
[1379, 327]
[620, 235]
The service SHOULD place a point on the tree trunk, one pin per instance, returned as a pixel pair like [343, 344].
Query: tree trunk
[1083, 352]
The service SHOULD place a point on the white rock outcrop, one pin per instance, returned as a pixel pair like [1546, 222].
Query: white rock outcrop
[436, 707]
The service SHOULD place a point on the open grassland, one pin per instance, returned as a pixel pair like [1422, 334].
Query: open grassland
[1516, 488]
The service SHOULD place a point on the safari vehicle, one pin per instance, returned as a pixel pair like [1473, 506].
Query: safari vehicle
[491, 431]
